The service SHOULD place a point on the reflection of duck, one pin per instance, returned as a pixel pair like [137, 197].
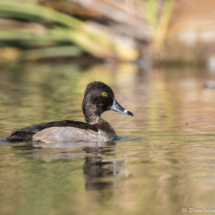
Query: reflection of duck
[94, 167]
[98, 98]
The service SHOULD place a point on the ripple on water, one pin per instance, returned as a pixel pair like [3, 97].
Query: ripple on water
[157, 165]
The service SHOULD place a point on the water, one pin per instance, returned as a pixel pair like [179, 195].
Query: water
[163, 161]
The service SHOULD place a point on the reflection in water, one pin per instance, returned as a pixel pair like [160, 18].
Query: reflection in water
[94, 166]
[169, 166]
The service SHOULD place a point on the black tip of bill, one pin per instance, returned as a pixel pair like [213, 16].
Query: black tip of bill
[117, 107]
[129, 113]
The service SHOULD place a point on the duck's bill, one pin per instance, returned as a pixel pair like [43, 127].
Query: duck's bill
[118, 108]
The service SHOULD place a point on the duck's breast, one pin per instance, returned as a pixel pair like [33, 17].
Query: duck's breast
[66, 134]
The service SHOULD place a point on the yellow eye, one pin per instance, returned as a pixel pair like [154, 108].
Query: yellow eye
[104, 94]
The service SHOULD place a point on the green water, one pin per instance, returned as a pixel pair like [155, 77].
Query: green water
[164, 162]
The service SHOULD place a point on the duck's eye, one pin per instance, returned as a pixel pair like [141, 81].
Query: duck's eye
[104, 94]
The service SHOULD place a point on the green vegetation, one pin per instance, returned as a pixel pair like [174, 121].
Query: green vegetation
[119, 30]
[158, 16]
[64, 29]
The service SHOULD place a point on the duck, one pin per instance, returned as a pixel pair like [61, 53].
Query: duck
[98, 98]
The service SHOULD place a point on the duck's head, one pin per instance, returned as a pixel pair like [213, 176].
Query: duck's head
[98, 98]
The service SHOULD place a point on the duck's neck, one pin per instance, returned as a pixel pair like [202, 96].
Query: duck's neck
[91, 115]
[106, 130]
[93, 119]
[96, 120]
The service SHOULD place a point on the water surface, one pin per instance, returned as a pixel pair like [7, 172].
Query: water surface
[163, 161]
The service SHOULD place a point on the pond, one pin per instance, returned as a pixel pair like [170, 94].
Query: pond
[164, 160]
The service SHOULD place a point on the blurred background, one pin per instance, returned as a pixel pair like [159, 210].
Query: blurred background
[158, 57]
[88, 31]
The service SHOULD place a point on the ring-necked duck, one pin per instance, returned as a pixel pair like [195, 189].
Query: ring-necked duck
[98, 98]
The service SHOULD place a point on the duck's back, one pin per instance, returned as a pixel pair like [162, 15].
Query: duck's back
[26, 134]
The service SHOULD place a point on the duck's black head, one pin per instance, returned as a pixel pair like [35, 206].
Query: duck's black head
[98, 98]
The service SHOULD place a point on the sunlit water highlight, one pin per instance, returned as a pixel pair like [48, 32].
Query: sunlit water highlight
[162, 161]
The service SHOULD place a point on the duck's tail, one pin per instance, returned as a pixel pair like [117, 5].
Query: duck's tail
[20, 136]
